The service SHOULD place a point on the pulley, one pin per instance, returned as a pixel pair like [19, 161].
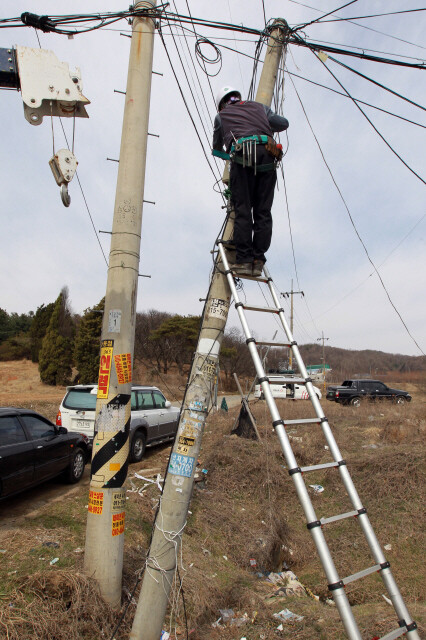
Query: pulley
[63, 165]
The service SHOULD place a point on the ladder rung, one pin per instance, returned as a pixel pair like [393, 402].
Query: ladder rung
[361, 574]
[315, 467]
[395, 634]
[349, 514]
[287, 423]
[285, 380]
[274, 344]
[264, 309]
[257, 278]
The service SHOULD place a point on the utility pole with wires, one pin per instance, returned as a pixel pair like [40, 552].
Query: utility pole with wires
[106, 511]
[322, 339]
[163, 557]
[290, 294]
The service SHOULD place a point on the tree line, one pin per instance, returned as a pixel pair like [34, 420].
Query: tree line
[66, 345]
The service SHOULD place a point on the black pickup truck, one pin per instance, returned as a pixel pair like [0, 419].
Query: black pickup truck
[354, 391]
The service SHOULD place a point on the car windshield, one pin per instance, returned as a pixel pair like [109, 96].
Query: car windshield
[80, 399]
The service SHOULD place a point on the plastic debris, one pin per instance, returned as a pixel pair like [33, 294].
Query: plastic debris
[224, 406]
[288, 585]
[388, 547]
[226, 615]
[54, 561]
[3, 550]
[253, 562]
[285, 615]
[55, 545]
[165, 635]
[79, 550]
[280, 627]
[386, 599]
[225, 557]
[318, 488]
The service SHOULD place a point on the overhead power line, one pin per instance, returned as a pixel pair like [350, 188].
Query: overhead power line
[374, 15]
[352, 220]
[307, 24]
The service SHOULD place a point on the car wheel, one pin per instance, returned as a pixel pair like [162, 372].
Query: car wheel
[400, 400]
[355, 402]
[138, 445]
[76, 468]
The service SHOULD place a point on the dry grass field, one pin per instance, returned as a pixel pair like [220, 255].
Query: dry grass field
[246, 512]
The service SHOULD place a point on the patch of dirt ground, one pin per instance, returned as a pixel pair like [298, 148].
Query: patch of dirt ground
[244, 522]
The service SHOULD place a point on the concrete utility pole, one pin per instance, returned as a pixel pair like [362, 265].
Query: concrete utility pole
[323, 356]
[106, 515]
[286, 294]
[171, 518]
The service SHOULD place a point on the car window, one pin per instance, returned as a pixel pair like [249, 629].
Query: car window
[134, 401]
[38, 427]
[11, 432]
[145, 400]
[159, 399]
[80, 399]
[379, 386]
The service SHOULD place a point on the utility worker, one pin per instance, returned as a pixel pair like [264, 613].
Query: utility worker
[245, 129]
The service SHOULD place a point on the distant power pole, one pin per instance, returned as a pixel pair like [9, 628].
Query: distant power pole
[286, 294]
[178, 485]
[323, 356]
[106, 511]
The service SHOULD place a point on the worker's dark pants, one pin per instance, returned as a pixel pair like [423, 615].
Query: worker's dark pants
[252, 196]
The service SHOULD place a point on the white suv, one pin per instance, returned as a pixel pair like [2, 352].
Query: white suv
[153, 418]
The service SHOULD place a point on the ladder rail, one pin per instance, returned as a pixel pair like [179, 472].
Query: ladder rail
[336, 585]
[327, 562]
[363, 519]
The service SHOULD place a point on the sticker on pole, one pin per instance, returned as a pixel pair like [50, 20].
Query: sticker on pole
[184, 444]
[181, 465]
[114, 321]
[118, 523]
[123, 366]
[118, 500]
[96, 502]
[218, 309]
[107, 347]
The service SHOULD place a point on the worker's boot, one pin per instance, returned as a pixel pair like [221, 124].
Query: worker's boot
[244, 269]
[258, 268]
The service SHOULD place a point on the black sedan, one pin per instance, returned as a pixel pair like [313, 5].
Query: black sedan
[33, 450]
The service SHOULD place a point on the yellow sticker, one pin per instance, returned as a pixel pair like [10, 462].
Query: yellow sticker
[107, 347]
[118, 523]
[96, 502]
[189, 442]
[114, 466]
[123, 366]
[118, 500]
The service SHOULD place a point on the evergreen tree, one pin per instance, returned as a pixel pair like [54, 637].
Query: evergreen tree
[39, 327]
[55, 357]
[87, 343]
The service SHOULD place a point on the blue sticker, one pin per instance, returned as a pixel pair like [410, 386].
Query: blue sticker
[181, 465]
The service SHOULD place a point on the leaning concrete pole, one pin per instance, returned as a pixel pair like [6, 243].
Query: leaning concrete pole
[171, 518]
[106, 510]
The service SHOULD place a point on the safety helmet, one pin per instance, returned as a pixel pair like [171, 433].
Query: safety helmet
[223, 93]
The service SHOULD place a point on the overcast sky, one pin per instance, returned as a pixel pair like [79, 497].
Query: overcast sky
[46, 246]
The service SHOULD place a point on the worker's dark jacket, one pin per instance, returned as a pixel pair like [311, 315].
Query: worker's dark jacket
[245, 119]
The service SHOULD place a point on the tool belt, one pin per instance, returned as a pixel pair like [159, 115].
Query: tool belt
[243, 151]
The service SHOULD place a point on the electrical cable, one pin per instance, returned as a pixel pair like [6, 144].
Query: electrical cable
[375, 15]
[352, 220]
[371, 123]
[352, 46]
[344, 95]
[296, 39]
[84, 198]
[363, 26]
[307, 24]
[379, 84]
[195, 102]
[186, 104]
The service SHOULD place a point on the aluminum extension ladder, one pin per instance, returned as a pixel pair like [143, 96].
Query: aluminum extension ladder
[336, 584]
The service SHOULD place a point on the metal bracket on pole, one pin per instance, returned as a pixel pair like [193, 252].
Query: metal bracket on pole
[48, 87]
